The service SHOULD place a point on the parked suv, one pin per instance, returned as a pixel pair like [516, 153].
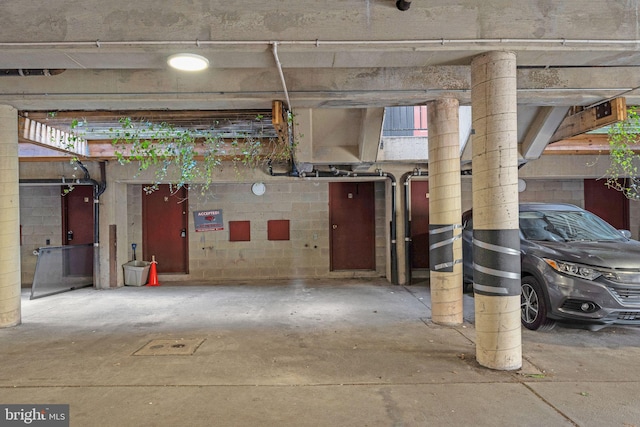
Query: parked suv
[575, 267]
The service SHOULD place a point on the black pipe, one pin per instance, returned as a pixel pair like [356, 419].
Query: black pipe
[403, 5]
[27, 72]
[292, 172]
[84, 169]
[294, 169]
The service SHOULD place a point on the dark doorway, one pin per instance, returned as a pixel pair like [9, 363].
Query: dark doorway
[609, 204]
[78, 229]
[164, 228]
[352, 222]
[420, 224]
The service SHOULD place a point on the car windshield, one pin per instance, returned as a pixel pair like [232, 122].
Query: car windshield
[559, 226]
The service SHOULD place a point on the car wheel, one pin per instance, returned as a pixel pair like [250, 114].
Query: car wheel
[533, 306]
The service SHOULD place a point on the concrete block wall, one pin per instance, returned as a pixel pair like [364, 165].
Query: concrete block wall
[304, 203]
[538, 190]
[554, 191]
[41, 220]
[571, 191]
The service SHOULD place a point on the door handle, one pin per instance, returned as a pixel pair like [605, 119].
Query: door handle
[183, 233]
[69, 235]
[334, 226]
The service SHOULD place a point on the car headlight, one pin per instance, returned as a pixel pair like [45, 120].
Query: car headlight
[576, 270]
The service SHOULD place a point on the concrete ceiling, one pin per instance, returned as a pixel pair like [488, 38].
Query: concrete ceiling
[342, 54]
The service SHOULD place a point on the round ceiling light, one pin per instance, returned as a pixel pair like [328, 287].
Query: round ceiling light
[188, 62]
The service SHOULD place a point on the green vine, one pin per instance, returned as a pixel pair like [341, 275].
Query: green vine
[185, 157]
[68, 142]
[623, 144]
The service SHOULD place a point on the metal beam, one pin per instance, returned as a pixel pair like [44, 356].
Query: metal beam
[539, 134]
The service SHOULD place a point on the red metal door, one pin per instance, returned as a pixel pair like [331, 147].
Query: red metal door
[164, 229]
[420, 224]
[609, 204]
[352, 222]
[78, 228]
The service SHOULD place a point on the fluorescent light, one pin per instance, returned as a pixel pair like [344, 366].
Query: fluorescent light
[188, 62]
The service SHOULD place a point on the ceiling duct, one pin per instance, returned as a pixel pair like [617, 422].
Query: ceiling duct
[28, 72]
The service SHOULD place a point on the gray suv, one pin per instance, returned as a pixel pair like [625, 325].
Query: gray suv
[575, 267]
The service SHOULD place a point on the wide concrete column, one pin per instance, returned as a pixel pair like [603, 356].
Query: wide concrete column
[496, 247]
[445, 211]
[9, 219]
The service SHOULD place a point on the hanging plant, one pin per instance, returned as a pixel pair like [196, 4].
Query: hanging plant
[623, 144]
[68, 141]
[183, 156]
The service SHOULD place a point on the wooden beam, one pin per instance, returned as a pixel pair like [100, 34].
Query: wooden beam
[280, 122]
[595, 117]
[152, 115]
[42, 134]
[582, 144]
[28, 149]
[104, 149]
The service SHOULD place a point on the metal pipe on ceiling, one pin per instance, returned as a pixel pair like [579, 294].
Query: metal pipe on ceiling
[562, 42]
[279, 65]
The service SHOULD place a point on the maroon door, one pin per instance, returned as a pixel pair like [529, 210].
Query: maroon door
[352, 222]
[609, 204]
[164, 229]
[420, 224]
[78, 229]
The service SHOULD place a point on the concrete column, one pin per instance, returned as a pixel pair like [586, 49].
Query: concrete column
[496, 247]
[113, 213]
[445, 245]
[9, 219]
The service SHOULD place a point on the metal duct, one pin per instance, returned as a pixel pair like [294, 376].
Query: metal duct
[28, 72]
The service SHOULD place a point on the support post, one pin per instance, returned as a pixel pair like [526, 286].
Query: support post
[445, 211]
[496, 247]
[10, 314]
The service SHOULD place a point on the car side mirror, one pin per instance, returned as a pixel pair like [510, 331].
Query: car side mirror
[625, 233]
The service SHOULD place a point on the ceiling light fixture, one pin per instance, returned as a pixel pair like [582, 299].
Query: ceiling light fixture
[188, 62]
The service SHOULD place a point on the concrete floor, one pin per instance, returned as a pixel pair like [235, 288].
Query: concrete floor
[302, 353]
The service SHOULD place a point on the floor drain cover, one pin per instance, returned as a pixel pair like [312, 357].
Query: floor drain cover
[179, 347]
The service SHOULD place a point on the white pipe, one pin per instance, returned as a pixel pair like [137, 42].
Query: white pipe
[634, 43]
[23, 95]
[284, 83]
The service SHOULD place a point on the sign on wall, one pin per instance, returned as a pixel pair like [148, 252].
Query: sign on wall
[208, 220]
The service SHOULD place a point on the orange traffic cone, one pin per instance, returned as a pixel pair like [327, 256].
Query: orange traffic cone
[153, 273]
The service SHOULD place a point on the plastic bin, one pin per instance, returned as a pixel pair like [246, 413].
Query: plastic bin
[136, 273]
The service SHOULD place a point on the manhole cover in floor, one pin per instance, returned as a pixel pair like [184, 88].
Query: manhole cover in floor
[179, 347]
